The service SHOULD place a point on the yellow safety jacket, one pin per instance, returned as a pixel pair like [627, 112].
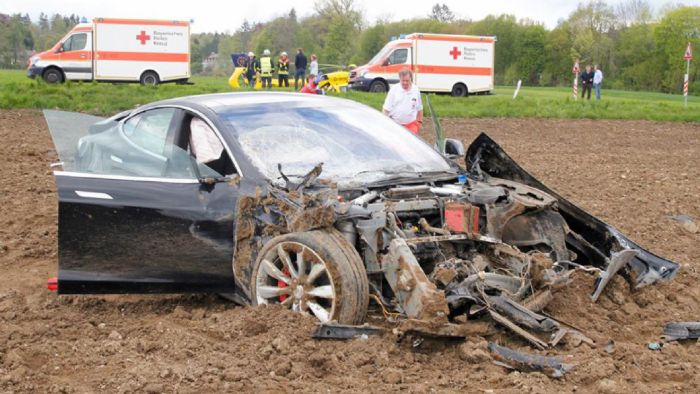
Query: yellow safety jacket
[283, 67]
[265, 66]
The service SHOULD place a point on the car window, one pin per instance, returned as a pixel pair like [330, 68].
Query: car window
[76, 42]
[139, 147]
[149, 130]
[399, 56]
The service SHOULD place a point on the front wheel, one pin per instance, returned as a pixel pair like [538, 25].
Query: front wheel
[378, 87]
[316, 272]
[53, 75]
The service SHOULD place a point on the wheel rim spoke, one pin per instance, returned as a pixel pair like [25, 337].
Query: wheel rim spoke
[320, 312]
[301, 263]
[284, 256]
[274, 272]
[321, 292]
[287, 302]
[316, 271]
[272, 291]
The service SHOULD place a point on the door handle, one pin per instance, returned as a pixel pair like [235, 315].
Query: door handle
[101, 196]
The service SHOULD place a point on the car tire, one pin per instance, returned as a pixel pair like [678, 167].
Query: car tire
[331, 285]
[459, 90]
[378, 87]
[149, 78]
[52, 75]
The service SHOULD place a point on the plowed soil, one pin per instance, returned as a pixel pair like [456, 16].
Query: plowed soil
[633, 175]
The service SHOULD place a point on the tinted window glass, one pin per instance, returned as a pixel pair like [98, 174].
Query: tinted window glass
[399, 56]
[76, 42]
[139, 147]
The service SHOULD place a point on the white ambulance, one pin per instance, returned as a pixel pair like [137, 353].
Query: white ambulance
[457, 64]
[118, 50]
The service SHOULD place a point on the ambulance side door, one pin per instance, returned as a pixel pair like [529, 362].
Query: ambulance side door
[398, 59]
[76, 56]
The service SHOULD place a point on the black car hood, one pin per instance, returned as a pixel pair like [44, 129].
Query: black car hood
[485, 156]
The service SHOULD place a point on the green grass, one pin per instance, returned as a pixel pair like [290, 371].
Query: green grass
[18, 91]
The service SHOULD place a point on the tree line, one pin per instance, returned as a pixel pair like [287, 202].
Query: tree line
[638, 47]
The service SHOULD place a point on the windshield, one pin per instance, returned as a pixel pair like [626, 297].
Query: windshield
[381, 54]
[356, 144]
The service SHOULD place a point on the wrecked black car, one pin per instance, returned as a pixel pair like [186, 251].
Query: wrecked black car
[320, 204]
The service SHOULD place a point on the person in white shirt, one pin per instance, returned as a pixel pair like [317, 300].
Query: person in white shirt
[403, 104]
[597, 81]
[313, 67]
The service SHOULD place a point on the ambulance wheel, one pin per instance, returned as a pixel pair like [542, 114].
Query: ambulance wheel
[53, 75]
[149, 78]
[459, 90]
[378, 87]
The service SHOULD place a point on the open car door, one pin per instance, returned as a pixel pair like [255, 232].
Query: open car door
[134, 214]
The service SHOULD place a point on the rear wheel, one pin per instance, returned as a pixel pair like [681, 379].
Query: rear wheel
[149, 78]
[459, 90]
[53, 75]
[378, 87]
[316, 272]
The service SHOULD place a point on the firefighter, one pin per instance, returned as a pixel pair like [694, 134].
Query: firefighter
[252, 69]
[283, 70]
[266, 69]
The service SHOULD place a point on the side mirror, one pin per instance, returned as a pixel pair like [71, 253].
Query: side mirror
[454, 147]
[385, 63]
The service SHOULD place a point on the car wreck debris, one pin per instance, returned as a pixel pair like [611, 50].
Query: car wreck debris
[437, 250]
[513, 359]
[340, 331]
[674, 331]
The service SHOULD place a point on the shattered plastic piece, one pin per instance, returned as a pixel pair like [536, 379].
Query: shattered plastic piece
[529, 362]
[617, 261]
[655, 346]
[674, 331]
[340, 331]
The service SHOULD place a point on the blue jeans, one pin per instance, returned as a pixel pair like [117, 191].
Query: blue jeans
[299, 74]
[596, 88]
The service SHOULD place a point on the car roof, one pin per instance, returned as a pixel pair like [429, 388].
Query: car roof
[220, 101]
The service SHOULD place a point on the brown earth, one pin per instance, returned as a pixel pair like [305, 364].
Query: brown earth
[634, 175]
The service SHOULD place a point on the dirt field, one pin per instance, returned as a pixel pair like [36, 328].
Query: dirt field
[634, 175]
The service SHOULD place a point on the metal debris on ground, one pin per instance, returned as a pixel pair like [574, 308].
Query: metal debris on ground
[513, 359]
[674, 331]
[341, 331]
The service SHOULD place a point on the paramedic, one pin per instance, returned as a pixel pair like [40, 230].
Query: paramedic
[403, 103]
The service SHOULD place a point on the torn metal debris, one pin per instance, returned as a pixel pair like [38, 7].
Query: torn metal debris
[341, 331]
[674, 331]
[446, 258]
[514, 359]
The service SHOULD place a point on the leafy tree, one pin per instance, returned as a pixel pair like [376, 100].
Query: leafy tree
[441, 13]
[674, 31]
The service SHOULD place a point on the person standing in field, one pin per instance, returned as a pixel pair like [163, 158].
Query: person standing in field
[299, 68]
[252, 69]
[586, 82]
[266, 69]
[313, 68]
[403, 103]
[283, 70]
[597, 81]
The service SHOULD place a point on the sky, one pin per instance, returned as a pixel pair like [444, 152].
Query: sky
[211, 16]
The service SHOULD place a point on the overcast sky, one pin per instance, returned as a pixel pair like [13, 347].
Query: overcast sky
[210, 15]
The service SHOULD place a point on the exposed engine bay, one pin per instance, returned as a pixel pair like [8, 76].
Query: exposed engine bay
[440, 254]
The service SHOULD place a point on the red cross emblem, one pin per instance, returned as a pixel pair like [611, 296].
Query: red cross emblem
[455, 53]
[143, 37]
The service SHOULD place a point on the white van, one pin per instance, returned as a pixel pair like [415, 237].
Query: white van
[456, 64]
[118, 50]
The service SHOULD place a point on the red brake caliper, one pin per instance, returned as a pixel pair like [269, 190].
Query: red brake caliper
[281, 284]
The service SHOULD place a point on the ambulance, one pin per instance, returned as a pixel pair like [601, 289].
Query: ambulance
[455, 64]
[118, 50]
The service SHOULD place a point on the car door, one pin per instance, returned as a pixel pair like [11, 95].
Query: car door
[76, 56]
[397, 60]
[134, 215]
